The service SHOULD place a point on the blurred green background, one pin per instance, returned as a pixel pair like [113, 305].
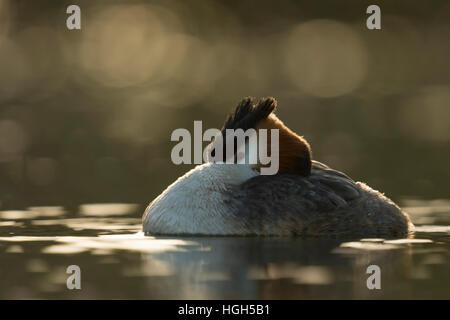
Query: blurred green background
[86, 115]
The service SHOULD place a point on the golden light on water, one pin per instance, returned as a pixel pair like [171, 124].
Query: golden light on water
[204, 267]
[48, 211]
[108, 209]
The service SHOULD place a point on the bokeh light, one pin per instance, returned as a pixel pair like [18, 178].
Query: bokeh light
[325, 58]
[86, 115]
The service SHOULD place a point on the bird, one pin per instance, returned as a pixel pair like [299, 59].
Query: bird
[305, 198]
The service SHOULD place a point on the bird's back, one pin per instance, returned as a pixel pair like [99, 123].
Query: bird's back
[325, 203]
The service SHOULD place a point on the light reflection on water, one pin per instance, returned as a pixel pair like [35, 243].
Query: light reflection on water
[118, 261]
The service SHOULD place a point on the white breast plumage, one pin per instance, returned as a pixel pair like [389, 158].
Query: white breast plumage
[194, 204]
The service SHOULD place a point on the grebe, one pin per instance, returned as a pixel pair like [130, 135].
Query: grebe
[305, 197]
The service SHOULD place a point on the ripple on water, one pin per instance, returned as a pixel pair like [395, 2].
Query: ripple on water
[104, 244]
[313, 275]
[103, 236]
[108, 209]
[14, 249]
[355, 246]
[428, 211]
[17, 214]
[32, 213]
[375, 244]
[408, 241]
[134, 242]
[108, 224]
[433, 229]
[373, 240]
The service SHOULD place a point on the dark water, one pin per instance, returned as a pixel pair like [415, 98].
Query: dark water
[118, 261]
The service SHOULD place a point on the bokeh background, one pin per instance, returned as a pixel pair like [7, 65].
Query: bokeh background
[86, 115]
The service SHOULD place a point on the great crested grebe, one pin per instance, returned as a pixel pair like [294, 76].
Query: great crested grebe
[305, 197]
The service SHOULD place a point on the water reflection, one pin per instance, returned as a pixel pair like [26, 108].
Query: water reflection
[108, 209]
[118, 261]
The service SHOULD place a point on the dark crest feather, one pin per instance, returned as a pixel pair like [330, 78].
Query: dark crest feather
[246, 115]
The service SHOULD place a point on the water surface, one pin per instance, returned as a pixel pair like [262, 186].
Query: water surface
[118, 261]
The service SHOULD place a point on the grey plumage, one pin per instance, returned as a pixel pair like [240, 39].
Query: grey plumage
[326, 203]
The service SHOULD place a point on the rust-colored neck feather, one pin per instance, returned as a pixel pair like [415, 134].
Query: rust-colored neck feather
[294, 152]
